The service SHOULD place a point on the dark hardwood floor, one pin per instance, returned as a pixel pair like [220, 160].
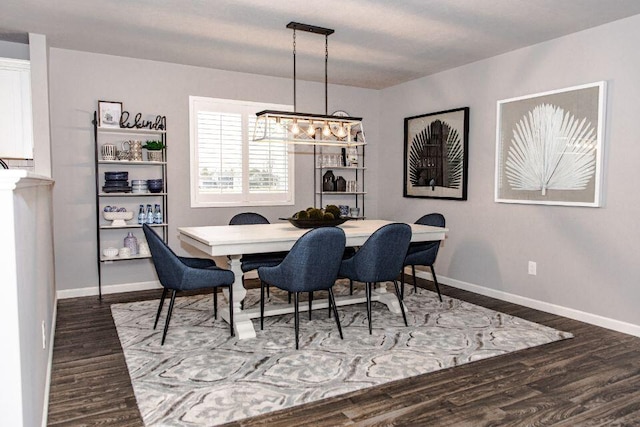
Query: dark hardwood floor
[590, 380]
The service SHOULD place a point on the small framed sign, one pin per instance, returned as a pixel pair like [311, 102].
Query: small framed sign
[109, 114]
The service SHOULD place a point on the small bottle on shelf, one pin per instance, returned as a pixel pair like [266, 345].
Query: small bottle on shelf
[157, 214]
[141, 216]
[149, 219]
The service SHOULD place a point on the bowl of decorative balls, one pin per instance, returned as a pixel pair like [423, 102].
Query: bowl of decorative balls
[314, 217]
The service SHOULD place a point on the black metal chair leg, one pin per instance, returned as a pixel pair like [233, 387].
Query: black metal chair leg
[261, 305]
[329, 307]
[166, 323]
[289, 296]
[268, 293]
[297, 316]
[215, 303]
[415, 286]
[404, 315]
[310, 303]
[233, 333]
[164, 294]
[368, 292]
[332, 304]
[402, 283]
[350, 287]
[435, 280]
[242, 302]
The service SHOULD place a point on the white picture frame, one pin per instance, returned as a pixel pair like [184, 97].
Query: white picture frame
[109, 113]
[549, 147]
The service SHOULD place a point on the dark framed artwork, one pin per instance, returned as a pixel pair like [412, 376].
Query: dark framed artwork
[436, 154]
[549, 147]
[109, 113]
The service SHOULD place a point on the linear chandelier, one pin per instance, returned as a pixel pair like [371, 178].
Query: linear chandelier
[303, 128]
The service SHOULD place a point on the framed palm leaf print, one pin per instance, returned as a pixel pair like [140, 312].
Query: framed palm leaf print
[549, 147]
[435, 154]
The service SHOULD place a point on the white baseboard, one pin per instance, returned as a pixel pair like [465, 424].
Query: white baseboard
[593, 319]
[47, 384]
[108, 289]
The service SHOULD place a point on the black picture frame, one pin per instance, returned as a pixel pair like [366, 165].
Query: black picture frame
[109, 113]
[436, 159]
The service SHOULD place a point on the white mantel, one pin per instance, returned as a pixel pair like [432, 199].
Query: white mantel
[27, 306]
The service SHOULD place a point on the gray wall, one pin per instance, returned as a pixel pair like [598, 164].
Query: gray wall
[587, 257]
[79, 80]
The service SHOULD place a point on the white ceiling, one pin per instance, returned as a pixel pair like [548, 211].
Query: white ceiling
[376, 43]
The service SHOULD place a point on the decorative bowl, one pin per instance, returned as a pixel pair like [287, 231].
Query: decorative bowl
[316, 223]
[118, 218]
[116, 176]
[110, 252]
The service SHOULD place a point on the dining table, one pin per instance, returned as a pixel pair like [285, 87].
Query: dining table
[234, 241]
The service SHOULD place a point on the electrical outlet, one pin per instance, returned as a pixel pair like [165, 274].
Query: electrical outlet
[44, 335]
[533, 267]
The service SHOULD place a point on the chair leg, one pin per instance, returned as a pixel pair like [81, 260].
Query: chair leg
[242, 302]
[164, 294]
[350, 287]
[329, 308]
[402, 282]
[332, 304]
[233, 333]
[435, 280]
[404, 315]
[310, 303]
[368, 292]
[296, 316]
[268, 293]
[261, 305]
[415, 286]
[289, 296]
[166, 323]
[215, 303]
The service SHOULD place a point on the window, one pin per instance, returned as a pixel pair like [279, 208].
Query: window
[227, 168]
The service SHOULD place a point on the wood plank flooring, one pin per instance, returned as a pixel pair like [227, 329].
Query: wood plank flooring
[590, 380]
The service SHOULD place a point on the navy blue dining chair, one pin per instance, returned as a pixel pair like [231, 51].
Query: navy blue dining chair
[424, 253]
[312, 264]
[379, 260]
[251, 262]
[178, 273]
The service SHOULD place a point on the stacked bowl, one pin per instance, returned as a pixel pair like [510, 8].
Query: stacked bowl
[116, 182]
[155, 185]
[139, 186]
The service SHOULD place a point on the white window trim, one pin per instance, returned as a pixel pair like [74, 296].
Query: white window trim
[223, 200]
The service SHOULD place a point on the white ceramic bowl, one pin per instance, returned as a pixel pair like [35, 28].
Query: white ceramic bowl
[110, 252]
[118, 218]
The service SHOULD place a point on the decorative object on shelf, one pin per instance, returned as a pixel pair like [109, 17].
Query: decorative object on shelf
[155, 185]
[157, 214]
[123, 155]
[134, 147]
[142, 217]
[110, 252]
[159, 123]
[302, 128]
[139, 186]
[143, 249]
[352, 186]
[109, 151]
[154, 150]
[352, 157]
[328, 181]
[344, 210]
[435, 155]
[116, 182]
[149, 215]
[341, 184]
[124, 252]
[549, 147]
[118, 219]
[354, 212]
[131, 242]
[109, 113]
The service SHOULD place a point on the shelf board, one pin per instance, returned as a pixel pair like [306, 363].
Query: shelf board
[131, 131]
[130, 194]
[342, 193]
[111, 227]
[130, 162]
[117, 258]
[359, 168]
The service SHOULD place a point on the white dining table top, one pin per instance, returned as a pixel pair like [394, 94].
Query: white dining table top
[219, 240]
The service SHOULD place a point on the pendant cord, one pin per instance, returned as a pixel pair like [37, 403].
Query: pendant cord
[326, 60]
[294, 71]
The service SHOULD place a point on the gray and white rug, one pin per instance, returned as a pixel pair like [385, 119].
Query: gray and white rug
[202, 376]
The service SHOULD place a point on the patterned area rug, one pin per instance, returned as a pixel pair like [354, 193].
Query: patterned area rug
[202, 376]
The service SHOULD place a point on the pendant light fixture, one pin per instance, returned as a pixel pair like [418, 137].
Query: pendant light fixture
[303, 128]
